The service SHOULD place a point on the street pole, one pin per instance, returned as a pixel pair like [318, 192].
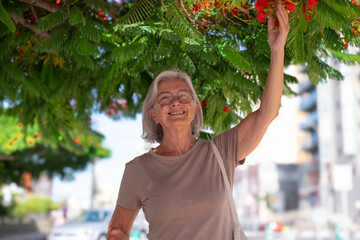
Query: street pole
[93, 183]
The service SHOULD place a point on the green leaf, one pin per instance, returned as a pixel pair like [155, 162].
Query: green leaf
[6, 19]
[236, 58]
[347, 58]
[76, 17]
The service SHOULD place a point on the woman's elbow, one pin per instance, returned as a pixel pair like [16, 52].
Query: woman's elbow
[116, 233]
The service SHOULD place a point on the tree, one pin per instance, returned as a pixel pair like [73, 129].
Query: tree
[27, 149]
[62, 60]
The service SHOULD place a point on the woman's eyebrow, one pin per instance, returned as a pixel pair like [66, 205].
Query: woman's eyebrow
[177, 91]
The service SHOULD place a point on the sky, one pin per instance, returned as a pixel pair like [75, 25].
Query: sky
[123, 138]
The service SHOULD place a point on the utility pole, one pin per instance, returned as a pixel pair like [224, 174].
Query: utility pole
[94, 189]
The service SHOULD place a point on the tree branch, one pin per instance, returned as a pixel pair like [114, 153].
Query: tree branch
[49, 6]
[20, 19]
[6, 158]
[34, 13]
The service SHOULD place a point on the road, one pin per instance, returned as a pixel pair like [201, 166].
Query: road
[250, 235]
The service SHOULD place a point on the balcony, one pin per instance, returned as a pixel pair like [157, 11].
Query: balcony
[310, 122]
[305, 86]
[308, 102]
[310, 143]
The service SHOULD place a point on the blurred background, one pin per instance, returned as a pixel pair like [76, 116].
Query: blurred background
[302, 181]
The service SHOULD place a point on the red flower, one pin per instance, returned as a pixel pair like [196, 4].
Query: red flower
[76, 141]
[234, 11]
[21, 51]
[226, 109]
[36, 136]
[312, 3]
[260, 5]
[290, 6]
[203, 103]
[17, 34]
[261, 16]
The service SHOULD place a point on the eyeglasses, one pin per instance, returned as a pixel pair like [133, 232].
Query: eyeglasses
[183, 96]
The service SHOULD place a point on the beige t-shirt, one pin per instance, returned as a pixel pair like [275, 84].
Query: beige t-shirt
[183, 197]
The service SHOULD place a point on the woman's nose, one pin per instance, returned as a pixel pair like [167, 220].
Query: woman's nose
[175, 102]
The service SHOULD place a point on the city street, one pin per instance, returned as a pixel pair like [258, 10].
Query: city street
[250, 235]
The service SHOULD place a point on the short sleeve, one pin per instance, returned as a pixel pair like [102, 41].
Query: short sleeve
[227, 145]
[128, 196]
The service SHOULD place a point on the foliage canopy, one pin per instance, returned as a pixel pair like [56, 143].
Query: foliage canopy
[60, 61]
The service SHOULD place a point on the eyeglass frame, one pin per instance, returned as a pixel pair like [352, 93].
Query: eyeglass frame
[177, 96]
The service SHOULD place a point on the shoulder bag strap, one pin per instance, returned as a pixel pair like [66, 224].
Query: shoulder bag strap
[238, 231]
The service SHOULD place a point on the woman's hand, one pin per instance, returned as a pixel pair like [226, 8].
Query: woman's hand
[277, 35]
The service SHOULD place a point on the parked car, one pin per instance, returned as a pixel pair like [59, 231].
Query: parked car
[90, 225]
[273, 225]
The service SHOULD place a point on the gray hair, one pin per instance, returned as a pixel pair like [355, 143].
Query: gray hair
[153, 132]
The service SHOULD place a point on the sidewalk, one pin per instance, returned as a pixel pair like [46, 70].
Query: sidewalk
[25, 236]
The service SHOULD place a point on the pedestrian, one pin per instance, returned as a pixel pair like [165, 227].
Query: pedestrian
[179, 184]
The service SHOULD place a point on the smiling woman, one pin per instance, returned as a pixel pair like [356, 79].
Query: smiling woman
[179, 184]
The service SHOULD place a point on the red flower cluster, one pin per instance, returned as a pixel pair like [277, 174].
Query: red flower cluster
[356, 22]
[356, 2]
[308, 8]
[204, 5]
[265, 8]
[208, 5]
[227, 109]
[203, 103]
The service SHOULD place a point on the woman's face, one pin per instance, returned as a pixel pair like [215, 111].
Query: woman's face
[177, 113]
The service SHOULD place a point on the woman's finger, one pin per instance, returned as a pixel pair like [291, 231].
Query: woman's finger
[281, 13]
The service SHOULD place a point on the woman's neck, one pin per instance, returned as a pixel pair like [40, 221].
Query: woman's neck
[175, 144]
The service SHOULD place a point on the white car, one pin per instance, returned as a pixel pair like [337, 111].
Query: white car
[90, 225]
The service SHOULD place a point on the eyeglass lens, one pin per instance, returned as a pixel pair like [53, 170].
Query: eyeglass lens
[183, 96]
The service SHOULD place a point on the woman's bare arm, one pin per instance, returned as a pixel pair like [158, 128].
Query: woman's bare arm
[253, 127]
[121, 223]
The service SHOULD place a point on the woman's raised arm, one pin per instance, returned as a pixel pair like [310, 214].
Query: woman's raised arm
[253, 127]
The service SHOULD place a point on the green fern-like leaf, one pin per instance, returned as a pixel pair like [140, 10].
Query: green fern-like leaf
[332, 39]
[98, 4]
[14, 71]
[329, 17]
[345, 57]
[187, 63]
[341, 6]
[295, 43]
[84, 47]
[5, 49]
[318, 70]
[84, 61]
[89, 31]
[6, 19]
[163, 50]
[52, 19]
[141, 11]
[235, 57]
[127, 52]
[76, 17]
[15, 7]
[54, 43]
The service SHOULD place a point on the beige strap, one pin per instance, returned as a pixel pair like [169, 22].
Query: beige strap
[238, 231]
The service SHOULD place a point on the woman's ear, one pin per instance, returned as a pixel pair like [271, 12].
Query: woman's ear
[196, 109]
[153, 115]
